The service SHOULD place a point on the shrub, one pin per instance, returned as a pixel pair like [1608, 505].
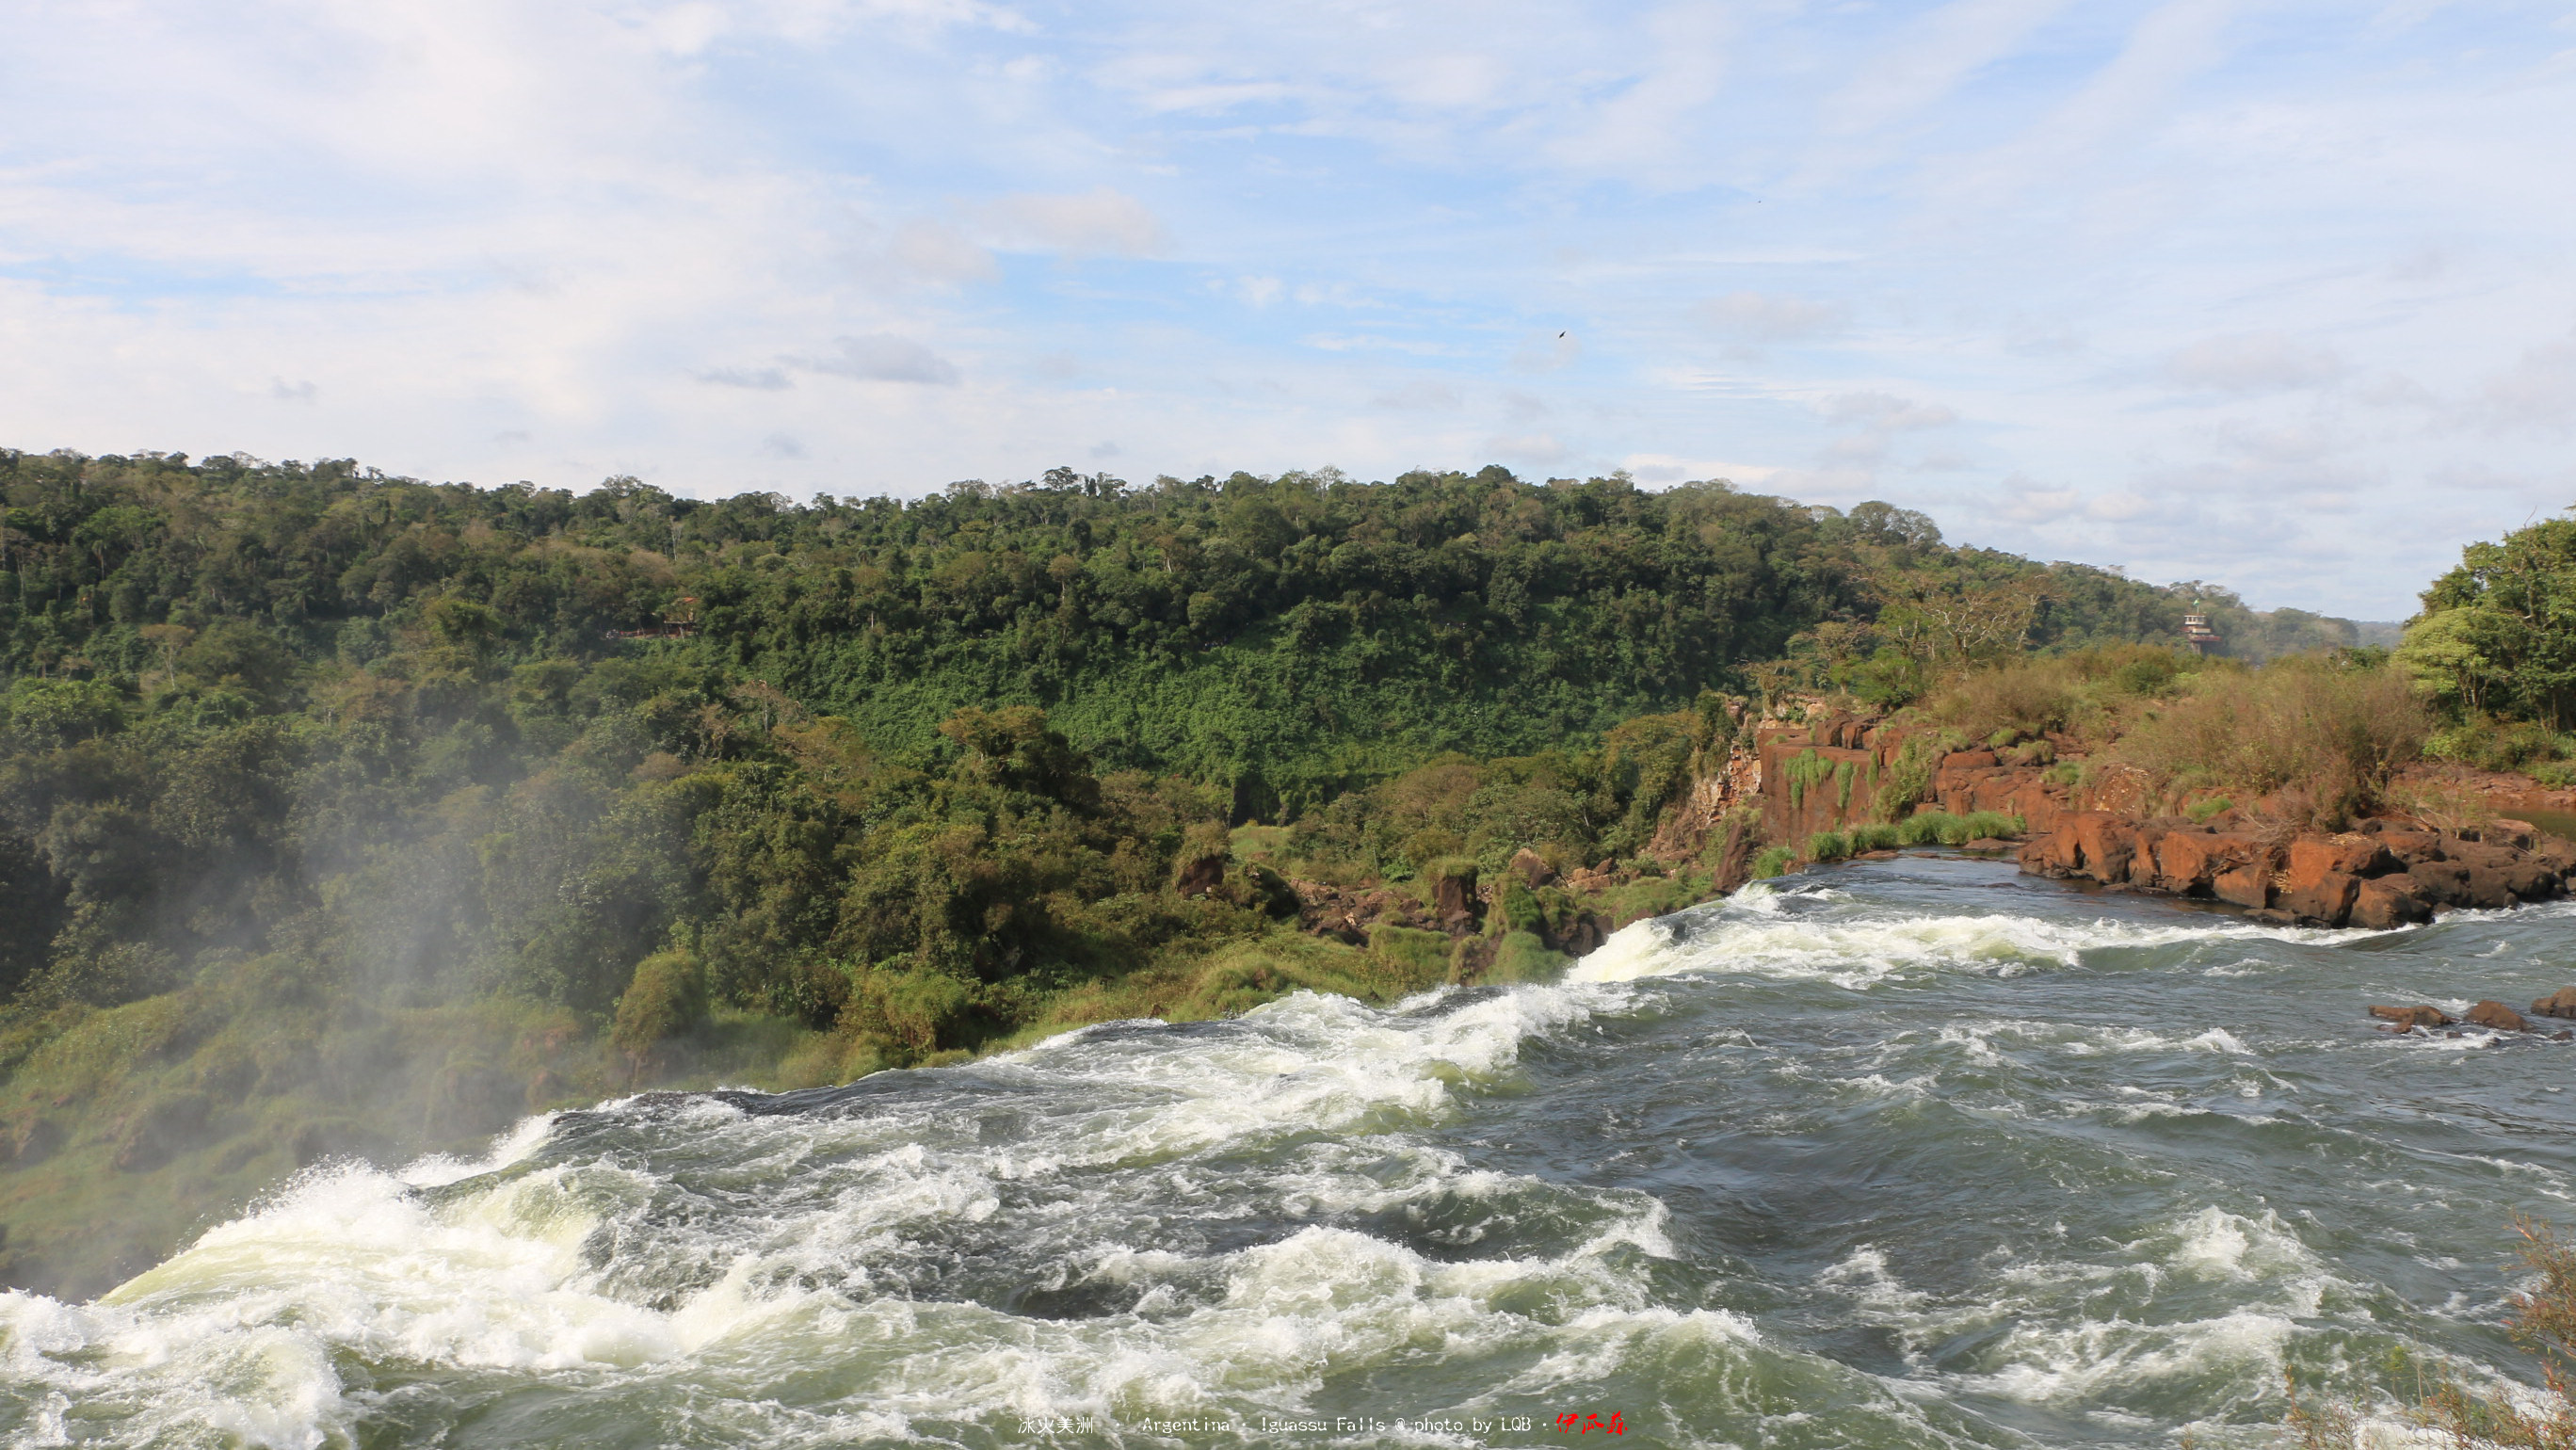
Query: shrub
[2490, 744]
[1773, 861]
[2299, 726]
[2142, 670]
[1419, 953]
[1875, 836]
[1986, 825]
[920, 1010]
[2031, 752]
[1827, 846]
[1927, 828]
[667, 997]
[2201, 811]
[2023, 698]
[1908, 779]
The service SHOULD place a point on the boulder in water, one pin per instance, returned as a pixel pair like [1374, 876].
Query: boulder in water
[2314, 858]
[2249, 885]
[2427, 1018]
[2323, 900]
[2441, 883]
[2561, 1003]
[2387, 903]
[2188, 859]
[2499, 1017]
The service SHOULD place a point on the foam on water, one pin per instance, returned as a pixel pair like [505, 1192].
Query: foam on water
[1755, 932]
[549, 1268]
[2042, 1194]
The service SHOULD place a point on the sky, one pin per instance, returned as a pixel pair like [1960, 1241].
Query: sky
[2280, 296]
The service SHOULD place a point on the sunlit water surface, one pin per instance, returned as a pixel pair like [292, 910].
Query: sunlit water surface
[1903, 1154]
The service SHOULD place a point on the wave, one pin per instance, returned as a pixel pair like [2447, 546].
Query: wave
[1766, 931]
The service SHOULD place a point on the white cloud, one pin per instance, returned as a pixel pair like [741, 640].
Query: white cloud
[1885, 411]
[1097, 223]
[938, 252]
[2538, 391]
[1418, 396]
[1662, 469]
[1539, 450]
[1931, 60]
[2255, 362]
[2026, 500]
[1757, 317]
[1547, 352]
[1647, 128]
[882, 357]
[770, 380]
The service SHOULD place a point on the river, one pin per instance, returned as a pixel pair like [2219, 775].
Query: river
[1907, 1153]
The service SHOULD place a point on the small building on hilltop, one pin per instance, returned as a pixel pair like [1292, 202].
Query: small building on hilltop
[2197, 636]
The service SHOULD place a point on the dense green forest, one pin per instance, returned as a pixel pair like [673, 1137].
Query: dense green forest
[2496, 649]
[346, 813]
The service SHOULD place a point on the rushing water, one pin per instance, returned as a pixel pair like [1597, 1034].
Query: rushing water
[1908, 1153]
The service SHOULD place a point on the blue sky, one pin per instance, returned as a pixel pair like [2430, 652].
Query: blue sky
[2277, 295]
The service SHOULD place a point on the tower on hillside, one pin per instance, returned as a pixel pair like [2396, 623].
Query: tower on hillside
[2197, 636]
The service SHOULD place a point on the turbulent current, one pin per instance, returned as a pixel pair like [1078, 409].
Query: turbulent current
[1908, 1153]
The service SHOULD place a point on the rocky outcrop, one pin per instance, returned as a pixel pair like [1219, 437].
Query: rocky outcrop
[1346, 913]
[2385, 874]
[2498, 1017]
[1533, 871]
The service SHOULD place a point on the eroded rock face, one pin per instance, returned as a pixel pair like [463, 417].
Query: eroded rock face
[2249, 886]
[2189, 859]
[2313, 858]
[2387, 875]
[1198, 878]
[2325, 899]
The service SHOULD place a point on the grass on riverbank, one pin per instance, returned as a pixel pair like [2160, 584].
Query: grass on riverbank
[2316, 738]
